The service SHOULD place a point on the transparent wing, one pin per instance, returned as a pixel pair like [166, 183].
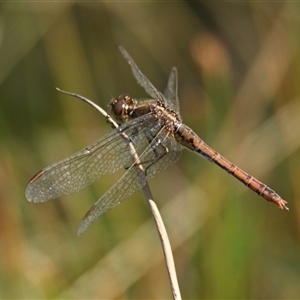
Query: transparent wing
[171, 91]
[160, 154]
[141, 78]
[107, 155]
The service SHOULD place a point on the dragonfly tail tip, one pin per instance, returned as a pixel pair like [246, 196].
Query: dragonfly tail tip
[283, 205]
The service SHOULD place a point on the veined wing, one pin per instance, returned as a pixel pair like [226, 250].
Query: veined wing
[160, 154]
[107, 155]
[171, 91]
[141, 78]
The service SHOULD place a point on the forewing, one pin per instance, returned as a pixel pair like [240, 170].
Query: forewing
[141, 78]
[107, 155]
[160, 154]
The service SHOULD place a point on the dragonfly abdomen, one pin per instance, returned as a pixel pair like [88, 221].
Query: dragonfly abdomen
[188, 138]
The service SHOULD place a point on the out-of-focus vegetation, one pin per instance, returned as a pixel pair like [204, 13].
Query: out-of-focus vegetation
[239, 89]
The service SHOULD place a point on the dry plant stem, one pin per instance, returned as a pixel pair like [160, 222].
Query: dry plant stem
[148, 195]
[163, 235]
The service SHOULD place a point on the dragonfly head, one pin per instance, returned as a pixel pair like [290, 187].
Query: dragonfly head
[121, 107]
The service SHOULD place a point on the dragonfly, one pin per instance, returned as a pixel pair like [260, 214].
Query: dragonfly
[155, 128]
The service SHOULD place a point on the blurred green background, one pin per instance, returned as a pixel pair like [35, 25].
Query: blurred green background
[239, 85]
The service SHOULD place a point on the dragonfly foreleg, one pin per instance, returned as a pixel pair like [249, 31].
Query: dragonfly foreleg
[155, 151]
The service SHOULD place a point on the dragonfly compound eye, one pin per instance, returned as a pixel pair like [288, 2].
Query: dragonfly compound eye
[117, 107]
[122, 107]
